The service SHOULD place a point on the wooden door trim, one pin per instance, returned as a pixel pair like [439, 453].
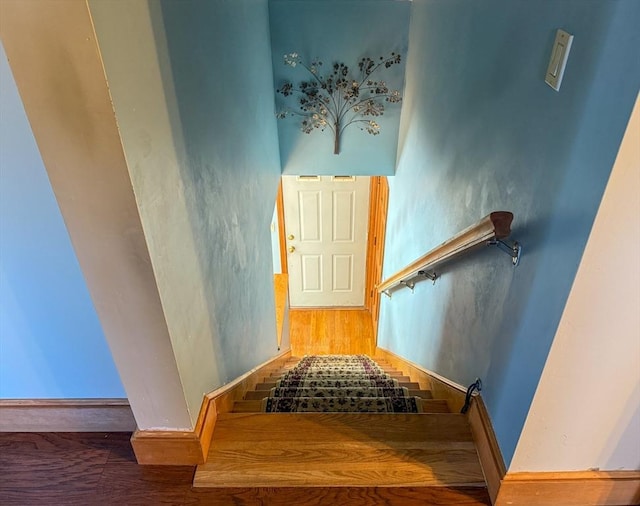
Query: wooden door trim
[284, 267]
[378, 204]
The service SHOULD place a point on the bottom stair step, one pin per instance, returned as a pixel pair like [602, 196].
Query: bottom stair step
[341, 450]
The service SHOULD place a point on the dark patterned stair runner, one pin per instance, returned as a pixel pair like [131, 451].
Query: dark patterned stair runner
[339, 383]
[338, 392]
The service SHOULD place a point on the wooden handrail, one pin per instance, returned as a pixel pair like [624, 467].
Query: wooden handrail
[494, 226]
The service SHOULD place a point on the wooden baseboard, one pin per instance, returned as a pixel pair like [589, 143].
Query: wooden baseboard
[173, 447]
[66, 415]
[486, 443]
[442, 388]
[591, 488]
[191, 447]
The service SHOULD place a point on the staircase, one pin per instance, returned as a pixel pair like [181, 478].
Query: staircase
[342, 429]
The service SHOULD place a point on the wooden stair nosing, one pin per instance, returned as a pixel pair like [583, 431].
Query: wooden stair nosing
[389, 372]
[269, 385]
[426, 405]
[400, 378]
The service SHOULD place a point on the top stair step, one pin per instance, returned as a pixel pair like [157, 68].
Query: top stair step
[341, 450]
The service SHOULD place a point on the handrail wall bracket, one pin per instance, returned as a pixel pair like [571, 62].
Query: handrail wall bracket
[513, 250]
[429, 275]
[410, 284]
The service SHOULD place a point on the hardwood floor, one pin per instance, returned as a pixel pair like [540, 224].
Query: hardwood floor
[328, 331]
[86, 469]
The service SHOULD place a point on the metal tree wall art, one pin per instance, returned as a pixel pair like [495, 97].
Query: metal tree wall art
[337, 99]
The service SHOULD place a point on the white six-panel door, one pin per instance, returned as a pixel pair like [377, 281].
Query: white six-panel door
[326, 225]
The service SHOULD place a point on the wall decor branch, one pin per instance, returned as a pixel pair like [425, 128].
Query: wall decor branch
[338, 98]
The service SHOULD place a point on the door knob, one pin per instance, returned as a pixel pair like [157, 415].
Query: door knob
[290, 237]
[291, 249]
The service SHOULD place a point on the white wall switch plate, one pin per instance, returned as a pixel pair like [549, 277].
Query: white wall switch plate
[558, 60]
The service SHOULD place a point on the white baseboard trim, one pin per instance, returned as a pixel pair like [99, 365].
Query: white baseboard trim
[66, 415]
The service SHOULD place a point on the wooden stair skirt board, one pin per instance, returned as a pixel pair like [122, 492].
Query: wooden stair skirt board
[485, 440]
[66, 415]
[427, 380]
[191, 447]
[310, 450]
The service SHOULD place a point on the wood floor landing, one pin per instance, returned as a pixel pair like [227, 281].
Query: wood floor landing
[341, 450]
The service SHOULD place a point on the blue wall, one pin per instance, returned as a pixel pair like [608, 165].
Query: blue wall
[51, 342]
[221, 71]
[343, 31]
[481, 131]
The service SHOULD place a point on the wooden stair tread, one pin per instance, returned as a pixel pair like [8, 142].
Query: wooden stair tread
[340, 449]
[428, 406]
[268, 385]
[393, 374]
[255, 395]
[281, 371]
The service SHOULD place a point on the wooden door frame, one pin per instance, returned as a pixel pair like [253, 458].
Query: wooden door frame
[378, 204]
[284, 266]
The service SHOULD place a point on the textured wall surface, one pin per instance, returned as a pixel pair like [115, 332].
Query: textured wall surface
[51, 342]
[192, 89]
[596, 351]
[56, 63]
[481, 131]
[343, 31]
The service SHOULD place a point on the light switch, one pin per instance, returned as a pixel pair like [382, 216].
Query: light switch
[558, 60]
